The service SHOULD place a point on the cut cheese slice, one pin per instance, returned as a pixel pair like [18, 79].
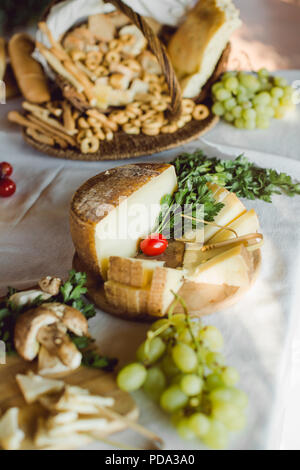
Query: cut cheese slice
[112, 211]
[197, 45]
[231, 267]
[232, 209]
[34, 386]
[165, 281]
[131, 271]
[194, 256]
[243, 225]
[131, 300]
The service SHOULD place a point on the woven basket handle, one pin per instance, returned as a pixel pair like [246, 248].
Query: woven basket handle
[161, 54]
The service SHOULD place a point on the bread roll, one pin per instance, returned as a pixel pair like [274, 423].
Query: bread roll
[29, 74]
[197, 45]
[2, 58]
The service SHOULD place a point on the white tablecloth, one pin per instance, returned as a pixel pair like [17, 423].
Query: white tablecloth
[259, 331]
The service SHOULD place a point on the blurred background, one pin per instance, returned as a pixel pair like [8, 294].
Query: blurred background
[268, 38]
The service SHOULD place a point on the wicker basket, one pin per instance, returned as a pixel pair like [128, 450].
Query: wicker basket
[127, 146]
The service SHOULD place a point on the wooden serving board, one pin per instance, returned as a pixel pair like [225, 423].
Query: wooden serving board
[201, 299]
[96, 381]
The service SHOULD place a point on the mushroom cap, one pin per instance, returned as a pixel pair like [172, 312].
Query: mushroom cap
[26, 330]
[72, 318]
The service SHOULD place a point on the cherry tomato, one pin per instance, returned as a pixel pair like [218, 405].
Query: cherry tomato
[5, 169]
[154, 245]
[7, 187]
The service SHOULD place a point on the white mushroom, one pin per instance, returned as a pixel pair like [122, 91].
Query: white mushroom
[50, 365]
[11, 436]
[48, 325]
[20, 299]
[50, 285]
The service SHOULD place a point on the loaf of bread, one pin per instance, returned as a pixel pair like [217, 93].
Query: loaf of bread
[197, 45]
[29, 74]
[2, 58]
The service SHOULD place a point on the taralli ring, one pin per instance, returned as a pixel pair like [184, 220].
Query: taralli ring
[90, 145]
[200, 112]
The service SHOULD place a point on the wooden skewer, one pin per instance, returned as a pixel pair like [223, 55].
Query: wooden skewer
[233, 241]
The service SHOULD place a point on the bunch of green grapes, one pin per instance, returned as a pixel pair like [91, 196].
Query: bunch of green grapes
[250, 101]
[180, 367]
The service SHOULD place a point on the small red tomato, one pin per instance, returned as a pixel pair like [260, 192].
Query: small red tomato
[5, 169]
[7, 187]
[154, 245]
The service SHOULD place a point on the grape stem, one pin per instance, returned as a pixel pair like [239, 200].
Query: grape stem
[179, 299]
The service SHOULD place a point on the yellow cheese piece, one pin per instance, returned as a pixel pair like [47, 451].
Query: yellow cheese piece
[246, 223]
[232, 209]
[231, 267]
[194, 256]
[131, 271]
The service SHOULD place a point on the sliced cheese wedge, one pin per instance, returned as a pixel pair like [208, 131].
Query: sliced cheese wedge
[243, 225]
[112, 211]
[231, 267]
[165, 280]
[131, 300]
[34, 386]
[194, 256]
[232, 209]
[131, 271]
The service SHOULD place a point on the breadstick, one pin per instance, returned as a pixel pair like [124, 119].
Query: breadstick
[108, 123]
[84, 69]
[40, 137]
[53, 109]
[53, 130]
[29, 74]
[2, 58]
[58, 67]
[43, 114]
[81, 78]
[55, 44]
[69, 121]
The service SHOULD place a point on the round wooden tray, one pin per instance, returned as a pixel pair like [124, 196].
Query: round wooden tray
[201, 299]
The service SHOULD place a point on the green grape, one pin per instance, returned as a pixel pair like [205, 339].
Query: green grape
[228, 75]
[277, 92]
[274, 103]
[229, 104]
[239, 123]
[218, 109]
[281, 112]
[229, 414]
[250, 124]
[215, 359]
[280, 82]
[250, 82]
[217, 435]
[263, 98]
[237, 111]
[221, 394]
[155, 383]
[214, 381]
[156, 348]
[269, 111]
[239, 398]
[179, 321]
[247, 105]
[241, 98]
[172, 399]
[211, 337]
[262, 122]
[285, 101]
[184, 430]
[184, 357]
[199, 424]
[132, 377]
[169, 367]
[177, 416]
[230, 376]
[200, 370]
[231, 83]
[229, 117]
[263, 73]
[216, 86]
[222, 94]
[265, 85]
[159, 323]
[191, 384]
[249, 114]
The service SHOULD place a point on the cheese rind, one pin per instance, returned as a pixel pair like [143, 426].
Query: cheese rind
[126, 196]
[165, 281]
[231, 267]
[130, 300]
[131, 271]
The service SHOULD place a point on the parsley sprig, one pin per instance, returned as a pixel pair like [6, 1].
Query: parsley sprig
[71, 293]
[239, 176]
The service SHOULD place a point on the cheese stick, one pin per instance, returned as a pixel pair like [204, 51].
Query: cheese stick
[29, 74]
